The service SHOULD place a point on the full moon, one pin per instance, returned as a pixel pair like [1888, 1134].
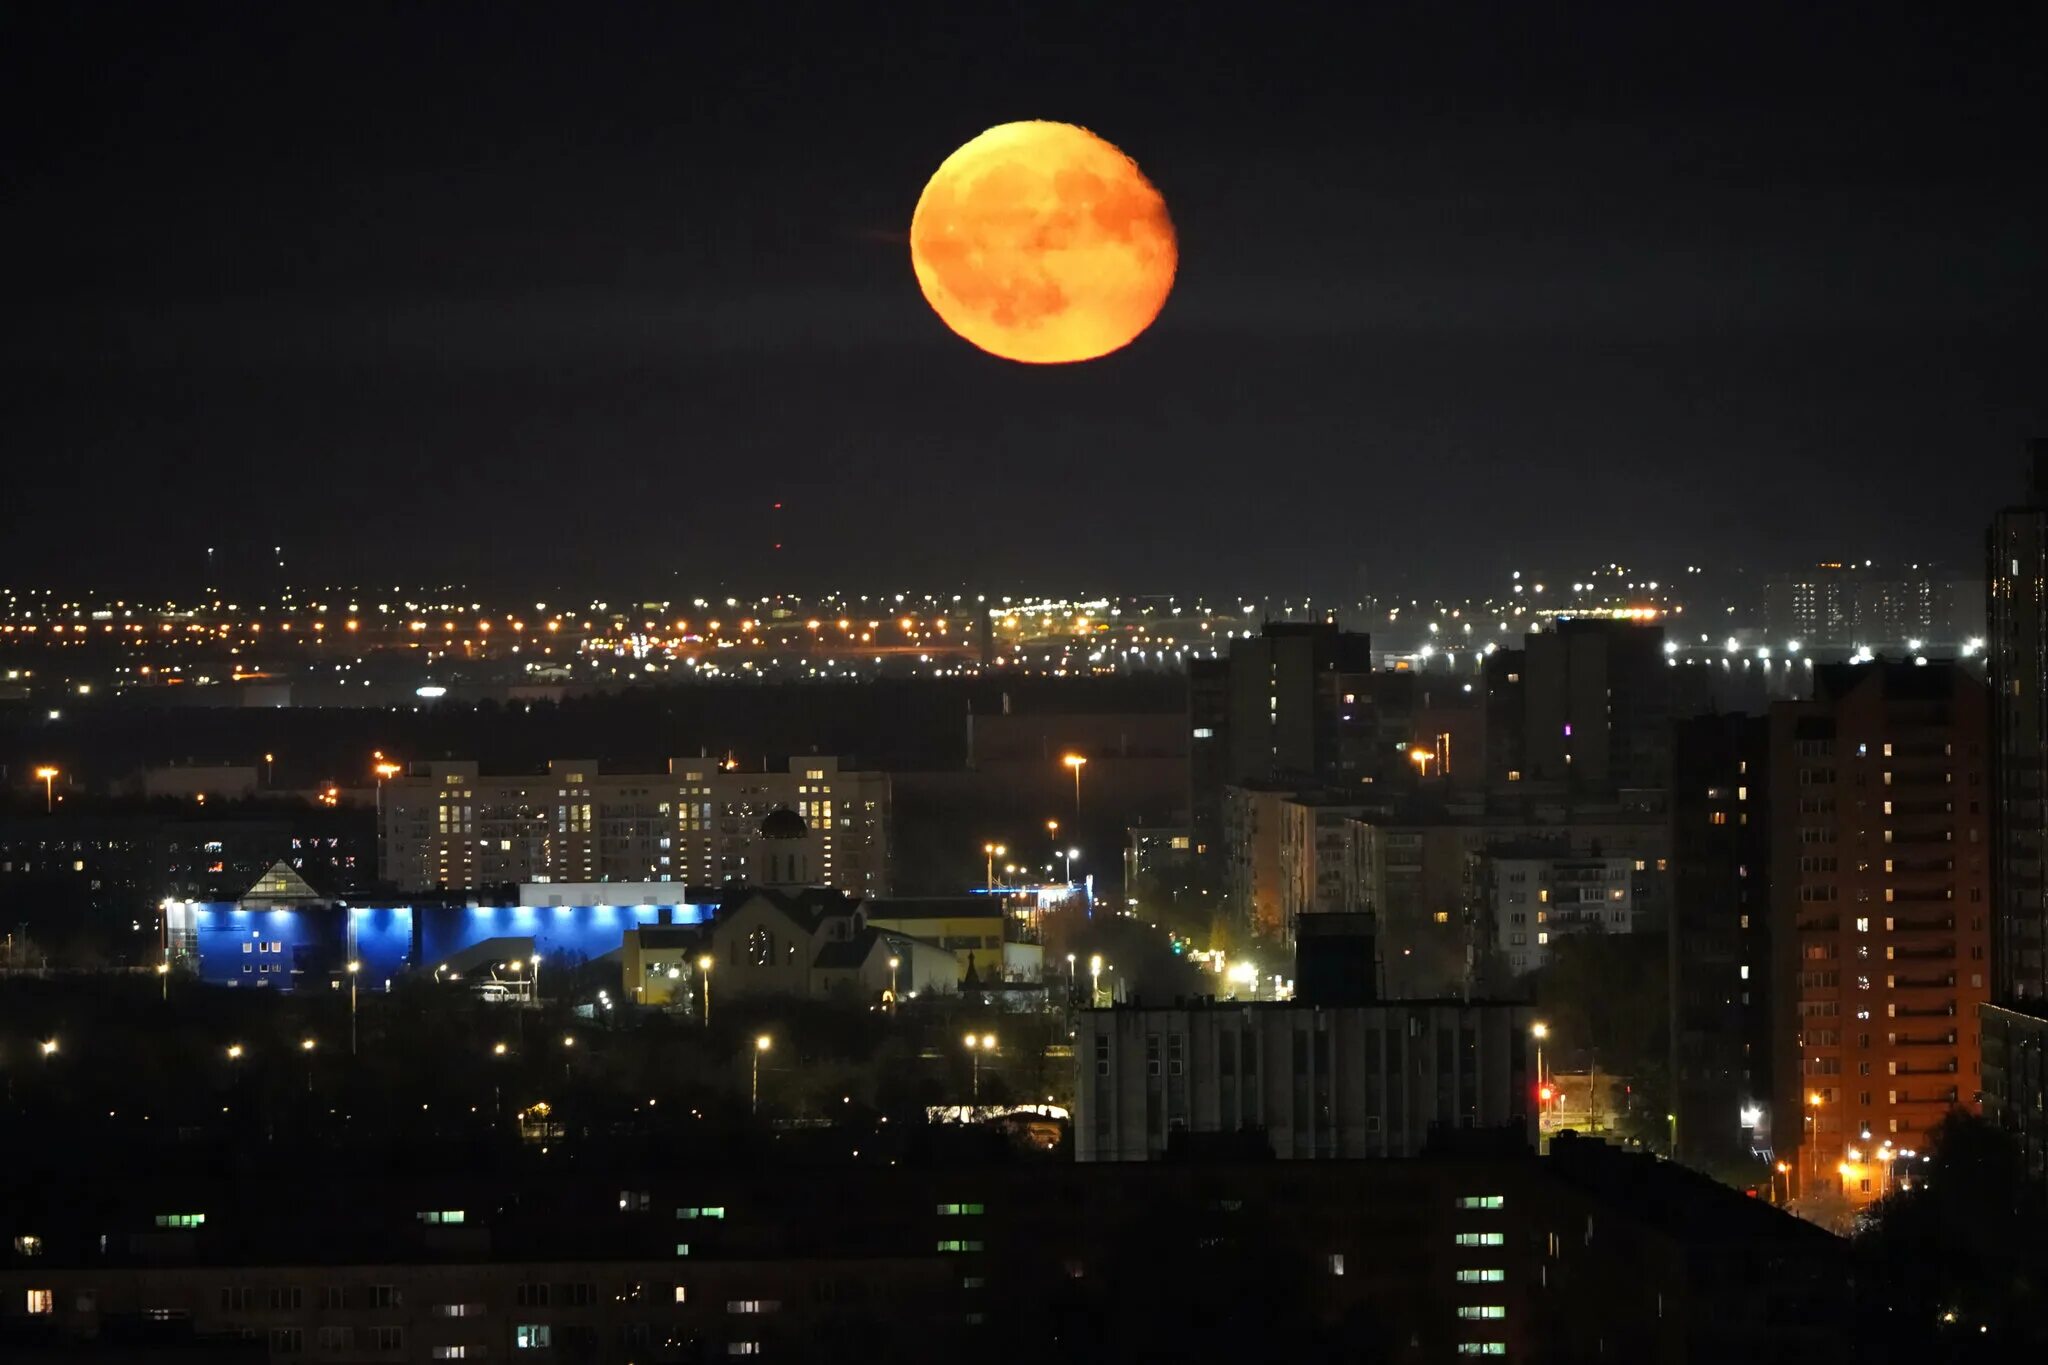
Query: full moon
[1042, 243]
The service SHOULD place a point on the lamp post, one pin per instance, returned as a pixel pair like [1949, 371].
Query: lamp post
[269, 770]
[1067, 856]
[497, 1081]
[993, 851]
[894, 963]
[1094, 980]
[1813, 1114]
[535, 959]
[163, 976]
[976, 1046]
[1783, 1168]
[1539, 1031]
[48, 775]
[761, 1045]
[306, 1046]
[355, 970]
[704, 975]
[1076, 762]
[568, 1050]
[383, 770]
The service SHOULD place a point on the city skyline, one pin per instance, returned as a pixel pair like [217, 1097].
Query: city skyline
[415, 291]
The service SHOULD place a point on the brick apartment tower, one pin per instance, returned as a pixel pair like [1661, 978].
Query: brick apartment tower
[1880, 906]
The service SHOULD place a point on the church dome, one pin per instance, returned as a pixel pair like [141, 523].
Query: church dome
[784, 823]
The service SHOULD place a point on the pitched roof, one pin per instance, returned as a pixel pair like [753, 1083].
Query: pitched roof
[849, 953]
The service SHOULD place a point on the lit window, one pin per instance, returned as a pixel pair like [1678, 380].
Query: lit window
[1481, 1310]
[701, 1213]
[682, 1294]
[743, 1348]
[451, 1353]
[1336, 1263]
[748, 1306]
[440, 1215]
[682, 1248]
[1542, 938]
[180, 1220]
[1481, 1276]
[28, 1244]
[1481, 1239]
[1443, 917]
[955, 1244]
[952, 1210]
[1482, 1348]
[1481, 1201]
[42, 1301]
[533, 1336]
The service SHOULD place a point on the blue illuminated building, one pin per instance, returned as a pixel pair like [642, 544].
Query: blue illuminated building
[276, 947]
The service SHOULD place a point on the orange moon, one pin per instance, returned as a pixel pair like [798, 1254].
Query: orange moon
[1042, 243]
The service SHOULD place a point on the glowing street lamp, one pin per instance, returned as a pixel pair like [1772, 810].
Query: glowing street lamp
[894, 963]
[354, 970]
[384, 769]
[1539, 1031]
[48, 776]
[993, 851]
[976, 1046]
[1094, 980]
[704, 974]
[49, 1047]
[761, 1045]
[1076, 762]
[163, 976]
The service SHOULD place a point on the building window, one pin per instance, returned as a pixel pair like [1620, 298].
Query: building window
[440, 1216]
[28, 1244]
[289, 1341]
[1482, 1348]
[682, 1293]
[715, 1212]
[1481, 1201]
[743, 1348]
[1336, 1263]
[956, 1244]
[41, 1301]
[1482, 1310]
[954, 1210]
[533, 1336]
[180, 1220]
[451, 1353]
[1480, 1239]
[752, 1306]
[1481, 1276]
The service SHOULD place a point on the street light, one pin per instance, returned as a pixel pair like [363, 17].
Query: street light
[975, 1047]
[761, 1045]
[1094, 980]
[1813, 1113]
[48, 776]
[234, 1052]
[894, 963]
[1076, 762]
[49, 1047]
[354, 970]
[704, 972]
[163, 976]
[1539, 1031]
[994, 851]
[384, 770]
[535, 959]
[306, 1046]
[1067, 857]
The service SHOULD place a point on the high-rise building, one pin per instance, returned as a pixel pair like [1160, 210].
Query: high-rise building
[1880, 908]
[1585, 708]
[2016, 659]
[446, 824]
[1719, 937]
[1839, 604]
[1275, 711]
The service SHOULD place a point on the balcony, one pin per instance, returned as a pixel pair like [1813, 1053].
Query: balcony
[1933, 1040]
[1947, 1011]
[1945, 925]
[1944, 982]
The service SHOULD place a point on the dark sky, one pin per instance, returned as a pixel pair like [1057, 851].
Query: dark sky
[576, 293]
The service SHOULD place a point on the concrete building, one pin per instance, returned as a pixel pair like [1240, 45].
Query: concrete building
[1536, 894]
[1276, 711]
[1583, 708]
[1313, 837]
[1844, 604]
[986, 937]
[1346, 1081]
[1880, 902]
[1588, 1254]
[2016, 1080]
[1424, 874]
[447, 824]
[2016, 660]
[1253, 817]
[1720, 937]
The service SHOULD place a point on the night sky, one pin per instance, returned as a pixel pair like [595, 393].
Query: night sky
[574, 295]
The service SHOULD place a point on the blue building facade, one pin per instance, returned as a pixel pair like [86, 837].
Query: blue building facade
[279, 949]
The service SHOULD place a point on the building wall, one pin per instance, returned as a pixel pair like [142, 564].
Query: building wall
[1536, 900]
[447, 824]
[1354, 1081]
[1880, 908]
[1252, 825]
[2016, 659]
[1719, 945]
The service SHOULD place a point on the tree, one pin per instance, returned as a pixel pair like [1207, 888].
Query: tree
[1956, 1263]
